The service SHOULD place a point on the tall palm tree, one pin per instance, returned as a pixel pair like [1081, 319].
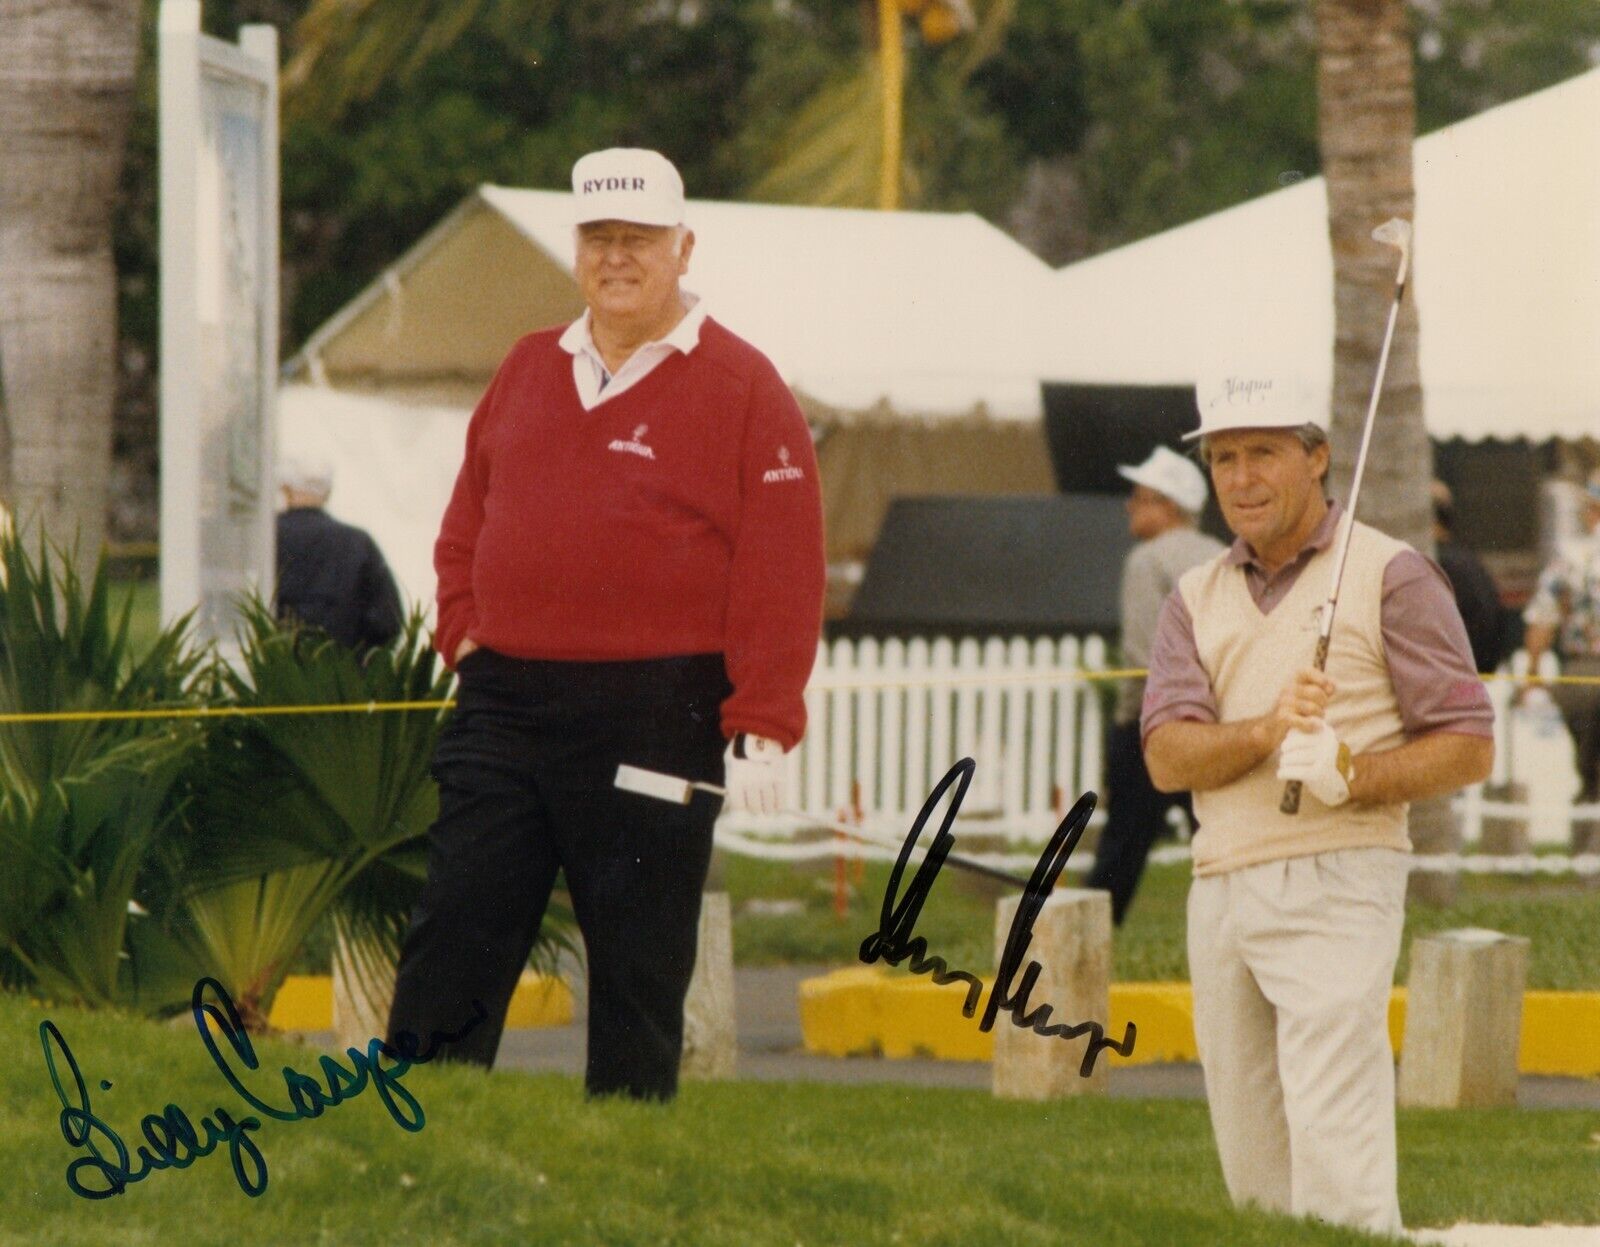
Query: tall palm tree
[1366, 122]
[66, 99]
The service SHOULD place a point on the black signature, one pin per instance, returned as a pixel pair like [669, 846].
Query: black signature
[893, 942]
[172, 1140]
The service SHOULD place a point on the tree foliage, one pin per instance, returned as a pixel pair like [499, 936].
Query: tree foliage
[1076, 124]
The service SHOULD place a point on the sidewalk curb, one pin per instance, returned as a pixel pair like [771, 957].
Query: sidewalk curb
[863, 1009]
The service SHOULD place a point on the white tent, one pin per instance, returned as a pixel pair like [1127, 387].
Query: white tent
[1507, 280]
[899, 332]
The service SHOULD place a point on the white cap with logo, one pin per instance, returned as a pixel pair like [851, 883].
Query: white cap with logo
[627, 184]
[1172, 476]
[1256, 399]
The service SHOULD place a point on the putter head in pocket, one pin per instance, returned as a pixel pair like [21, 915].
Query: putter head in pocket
[653, 784]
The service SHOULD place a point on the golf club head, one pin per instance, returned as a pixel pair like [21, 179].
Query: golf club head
[653, 784]
[1395, 232]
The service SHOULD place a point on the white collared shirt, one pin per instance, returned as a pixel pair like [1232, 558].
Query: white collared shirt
[596, 384]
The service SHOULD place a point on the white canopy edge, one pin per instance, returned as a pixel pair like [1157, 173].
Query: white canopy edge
[1507, 280]
[860, 310]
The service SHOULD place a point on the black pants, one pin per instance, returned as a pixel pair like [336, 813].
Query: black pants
[1580, 707]
[526, 768]
[1135, 819]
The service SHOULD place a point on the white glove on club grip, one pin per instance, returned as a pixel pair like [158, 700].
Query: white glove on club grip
[1320, 761]
[755, 774]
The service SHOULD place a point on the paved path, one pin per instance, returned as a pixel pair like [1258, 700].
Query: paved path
[771, 1050]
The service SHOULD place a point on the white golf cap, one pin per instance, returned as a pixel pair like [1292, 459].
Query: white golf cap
[627, 184]
[1172, 476]
[1257, 399]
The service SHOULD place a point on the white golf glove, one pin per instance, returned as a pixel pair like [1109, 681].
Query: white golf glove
[1320, 761]
[756, 774]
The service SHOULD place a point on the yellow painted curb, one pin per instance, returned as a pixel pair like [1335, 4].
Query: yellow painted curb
[865, 1010]
[1560, 1033]
[840, 1013]
[305, 1003]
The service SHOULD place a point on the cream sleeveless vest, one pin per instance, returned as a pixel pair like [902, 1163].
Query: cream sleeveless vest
[1250, 657]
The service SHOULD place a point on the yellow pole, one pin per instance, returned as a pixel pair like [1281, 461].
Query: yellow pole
[892, 60]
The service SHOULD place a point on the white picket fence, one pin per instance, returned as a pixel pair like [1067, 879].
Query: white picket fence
[887, 719]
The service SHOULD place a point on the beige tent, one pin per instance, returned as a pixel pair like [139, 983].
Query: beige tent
[899, 333]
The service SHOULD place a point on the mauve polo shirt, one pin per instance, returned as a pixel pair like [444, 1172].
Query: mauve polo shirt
[1424, 644]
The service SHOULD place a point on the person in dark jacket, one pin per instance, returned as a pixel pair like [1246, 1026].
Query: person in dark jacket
[331, 575]
[1476, 596]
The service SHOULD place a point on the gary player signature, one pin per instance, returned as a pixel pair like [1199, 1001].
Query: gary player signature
[893, 941]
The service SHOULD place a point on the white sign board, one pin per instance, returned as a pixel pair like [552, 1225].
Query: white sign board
[219, 317]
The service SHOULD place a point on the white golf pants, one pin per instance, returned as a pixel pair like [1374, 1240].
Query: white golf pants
[1291, 963]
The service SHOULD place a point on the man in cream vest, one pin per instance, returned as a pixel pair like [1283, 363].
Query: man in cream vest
[1295, 920]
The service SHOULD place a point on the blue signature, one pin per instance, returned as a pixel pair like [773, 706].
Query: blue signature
[172, 1140]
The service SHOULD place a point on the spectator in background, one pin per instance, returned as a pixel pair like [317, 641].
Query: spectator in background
[331, 575]
[1565, 613]
[1476, 596]
[1168, 494]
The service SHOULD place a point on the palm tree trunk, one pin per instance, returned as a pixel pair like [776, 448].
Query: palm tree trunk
[66, 97]
[1366, 118]
[1366, 121]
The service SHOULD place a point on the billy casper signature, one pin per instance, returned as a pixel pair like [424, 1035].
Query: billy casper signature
[172, 1141]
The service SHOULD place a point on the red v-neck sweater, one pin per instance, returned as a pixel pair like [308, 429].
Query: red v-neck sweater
[681, 517]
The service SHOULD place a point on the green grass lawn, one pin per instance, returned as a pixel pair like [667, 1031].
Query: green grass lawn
[512, 1158]
[1560, 918]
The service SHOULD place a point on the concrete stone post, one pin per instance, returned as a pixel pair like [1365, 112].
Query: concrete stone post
[710, 1034]
[1505, 835]
[1463, 1020]
[1072, 944]
[1434, 830]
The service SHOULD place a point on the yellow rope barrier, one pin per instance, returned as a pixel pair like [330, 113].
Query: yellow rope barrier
[824, 685]
[218, 712]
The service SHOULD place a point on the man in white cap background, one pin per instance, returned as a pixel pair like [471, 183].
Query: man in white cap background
[330, 575]
[630, 573]
[1295, 919]
[1168, 495]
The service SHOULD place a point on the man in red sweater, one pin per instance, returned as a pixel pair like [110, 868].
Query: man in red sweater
[630, 572]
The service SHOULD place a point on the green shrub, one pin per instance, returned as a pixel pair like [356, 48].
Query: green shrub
[83, 801]
[140, 851]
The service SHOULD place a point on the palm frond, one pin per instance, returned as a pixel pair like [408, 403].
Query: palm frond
[347, 51]
[82, 802]
[831, 153]
[293, 816]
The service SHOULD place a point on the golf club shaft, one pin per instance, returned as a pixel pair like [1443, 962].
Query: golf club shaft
[883, 842]
[1290, 803]
[955, 859]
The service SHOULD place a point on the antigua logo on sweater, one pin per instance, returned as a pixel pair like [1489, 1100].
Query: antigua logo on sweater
[788, 472]
[634, 445]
